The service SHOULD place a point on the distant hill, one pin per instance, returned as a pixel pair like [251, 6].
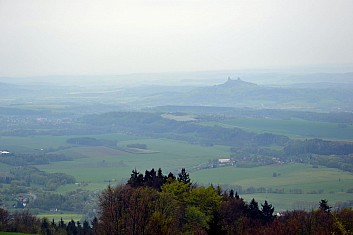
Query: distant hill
[332, 78]
[322, 92]
[11, 89]
[239, 93]
[236, 84]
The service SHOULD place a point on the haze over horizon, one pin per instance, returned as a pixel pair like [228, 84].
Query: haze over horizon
[137, 36]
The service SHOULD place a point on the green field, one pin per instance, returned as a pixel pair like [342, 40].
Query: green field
[31, 144]
[297, 128]
[58, 216]
[290, 176]
[99, 165]
[34, 143]
[316, 183]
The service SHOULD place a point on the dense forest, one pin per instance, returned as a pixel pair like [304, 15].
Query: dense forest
[153, 203]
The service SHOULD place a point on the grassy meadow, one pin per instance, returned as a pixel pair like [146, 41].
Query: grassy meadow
[315, 183]
[98, 165]
[296, 128]
[30, 144]
[290, 176]
[58, 216]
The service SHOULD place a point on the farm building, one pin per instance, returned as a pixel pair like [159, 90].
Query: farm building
[226, 162]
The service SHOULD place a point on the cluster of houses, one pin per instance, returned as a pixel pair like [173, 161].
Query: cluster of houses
[221, 162]
[4, 152]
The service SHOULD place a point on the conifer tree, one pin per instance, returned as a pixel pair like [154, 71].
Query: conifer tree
[267, 212]
[253, 210]
[323, 205]
[183, 176]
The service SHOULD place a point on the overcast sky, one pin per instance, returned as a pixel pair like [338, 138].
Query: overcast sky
[43, 37]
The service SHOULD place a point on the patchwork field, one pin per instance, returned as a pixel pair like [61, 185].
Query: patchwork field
[97, 166]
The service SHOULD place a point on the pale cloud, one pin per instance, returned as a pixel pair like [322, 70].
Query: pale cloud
[40, 37]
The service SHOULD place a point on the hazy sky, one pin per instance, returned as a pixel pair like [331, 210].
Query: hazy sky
[44, 37]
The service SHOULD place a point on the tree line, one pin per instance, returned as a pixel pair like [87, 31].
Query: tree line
[90, 141]
[25, 222]
[152, 124]
[27, 176]
[229, 112]
[79, 201]
[25, 159]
